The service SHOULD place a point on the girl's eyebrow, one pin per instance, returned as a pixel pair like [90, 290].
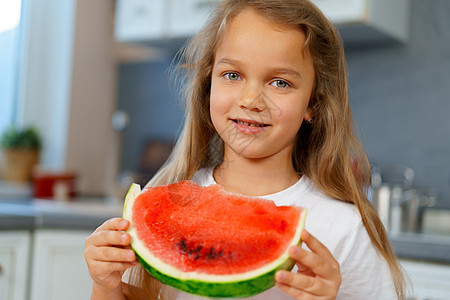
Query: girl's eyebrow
[283, 70]
[287, 71]
[228, 61]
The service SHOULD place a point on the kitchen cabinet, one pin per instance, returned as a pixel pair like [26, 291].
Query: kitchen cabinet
[188, 16]
[59, 270]
[44, 260]
[137, 20]
[343, 11]
[429, 280]
[366, 20]
[142, 20]
[14, 261]
[147, 21]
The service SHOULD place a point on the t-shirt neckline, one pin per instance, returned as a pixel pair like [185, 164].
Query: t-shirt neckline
[273, 196]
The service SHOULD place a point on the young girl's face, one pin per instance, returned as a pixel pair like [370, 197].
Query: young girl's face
[261, 84]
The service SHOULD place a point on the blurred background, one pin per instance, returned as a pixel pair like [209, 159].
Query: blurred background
[87, 106]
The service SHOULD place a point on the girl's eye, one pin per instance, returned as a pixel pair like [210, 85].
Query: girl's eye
[232, 76]
[280, 83]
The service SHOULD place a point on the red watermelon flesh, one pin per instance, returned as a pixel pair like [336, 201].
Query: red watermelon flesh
[210, 231]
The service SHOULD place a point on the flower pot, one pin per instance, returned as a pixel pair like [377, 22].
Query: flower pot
[17, 164]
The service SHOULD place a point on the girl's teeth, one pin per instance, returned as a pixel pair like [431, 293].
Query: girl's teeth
[249, 124]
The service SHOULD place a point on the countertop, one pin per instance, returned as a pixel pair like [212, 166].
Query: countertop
[434, 248]
[83, 213]
[89, 213]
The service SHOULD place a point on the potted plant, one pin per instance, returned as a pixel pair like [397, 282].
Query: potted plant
[20, 151]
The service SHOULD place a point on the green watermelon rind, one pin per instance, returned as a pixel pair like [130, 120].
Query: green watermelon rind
[214, 286]
[239, 289]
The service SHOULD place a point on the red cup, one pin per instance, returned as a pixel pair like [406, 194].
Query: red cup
[49, 185]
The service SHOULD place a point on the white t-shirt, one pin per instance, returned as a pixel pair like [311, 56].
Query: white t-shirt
[337, 225]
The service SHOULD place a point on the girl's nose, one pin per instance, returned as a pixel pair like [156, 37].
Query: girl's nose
[253, 100]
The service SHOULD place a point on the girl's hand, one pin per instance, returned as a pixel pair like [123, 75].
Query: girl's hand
[318, 275]
[108, 253]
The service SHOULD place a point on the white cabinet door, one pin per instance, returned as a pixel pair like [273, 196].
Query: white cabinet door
[188, 16]
[59, 269]
[137, 20]
[343, 11]
[429, 280]
[14, 260]
[386, 16]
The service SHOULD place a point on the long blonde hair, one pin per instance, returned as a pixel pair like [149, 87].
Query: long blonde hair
[327, 151]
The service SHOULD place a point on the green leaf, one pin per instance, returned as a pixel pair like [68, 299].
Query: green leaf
[27, 138]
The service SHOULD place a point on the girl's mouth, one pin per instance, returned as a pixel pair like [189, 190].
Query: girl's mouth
[249, 126]
[250, 123]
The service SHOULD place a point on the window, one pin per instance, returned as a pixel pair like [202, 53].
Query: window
[10, 15]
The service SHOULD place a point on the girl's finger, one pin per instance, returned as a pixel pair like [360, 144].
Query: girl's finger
[102, 267]
[317, 247]
[114, 224]
[311, 285]
[110, 237]
[113, 254]
[318, 265]
[295, 293]
[301, 268]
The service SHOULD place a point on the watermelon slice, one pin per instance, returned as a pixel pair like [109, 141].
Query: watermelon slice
[205, 241]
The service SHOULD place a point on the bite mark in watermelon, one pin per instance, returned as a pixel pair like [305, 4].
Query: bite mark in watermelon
[205, 241]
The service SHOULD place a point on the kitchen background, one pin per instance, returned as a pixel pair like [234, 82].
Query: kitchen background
[400, 97]
[108, 112]
[399, 94]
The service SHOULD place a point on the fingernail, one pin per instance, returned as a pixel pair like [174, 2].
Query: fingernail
[130, 255]
[123, 237]
[123, 223]
[296, 250]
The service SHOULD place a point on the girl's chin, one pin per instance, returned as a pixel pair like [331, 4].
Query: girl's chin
[256, 149]
[244, 150]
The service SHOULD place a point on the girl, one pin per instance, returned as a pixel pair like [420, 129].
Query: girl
[268, 115]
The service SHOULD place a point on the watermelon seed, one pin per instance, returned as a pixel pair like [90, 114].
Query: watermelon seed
[197, 257]
[183, 245]
[210, 254]
[198, 249]
[213, 254]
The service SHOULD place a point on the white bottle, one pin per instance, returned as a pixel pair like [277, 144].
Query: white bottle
[396, 210]
[384, 205]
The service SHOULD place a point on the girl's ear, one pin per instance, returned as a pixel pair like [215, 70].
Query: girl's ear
[308, 115]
